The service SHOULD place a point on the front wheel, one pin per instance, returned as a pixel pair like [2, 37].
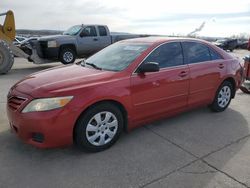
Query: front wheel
[98, 128]
[67, 56]
[6, 58]
[223, 97]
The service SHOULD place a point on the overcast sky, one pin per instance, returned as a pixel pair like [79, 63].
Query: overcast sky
[222, 17]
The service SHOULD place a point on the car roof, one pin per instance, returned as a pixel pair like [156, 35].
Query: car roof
[83, 25]
[158, 40]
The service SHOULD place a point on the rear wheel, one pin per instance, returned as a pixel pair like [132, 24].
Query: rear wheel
[99, 128]
[6, 58]
[67, 56]
[223, 97]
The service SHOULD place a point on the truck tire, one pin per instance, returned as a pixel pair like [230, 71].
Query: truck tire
[67, 56]
[6, 58]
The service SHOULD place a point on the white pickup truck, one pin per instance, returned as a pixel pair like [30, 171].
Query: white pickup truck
[77, 41]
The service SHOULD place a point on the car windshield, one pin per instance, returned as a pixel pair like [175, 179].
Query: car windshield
[72, 30]
[116, 57]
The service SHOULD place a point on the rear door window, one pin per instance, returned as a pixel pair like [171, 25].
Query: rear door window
[214, 54]
[102, 31]
[196, 52]
[167, 55]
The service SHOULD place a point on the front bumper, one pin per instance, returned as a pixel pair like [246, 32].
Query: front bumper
[42, 129]
[44, 52]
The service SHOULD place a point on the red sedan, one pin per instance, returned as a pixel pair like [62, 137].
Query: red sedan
[125, 85]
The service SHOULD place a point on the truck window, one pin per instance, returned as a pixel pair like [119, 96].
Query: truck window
[102, 31]
[89, 31]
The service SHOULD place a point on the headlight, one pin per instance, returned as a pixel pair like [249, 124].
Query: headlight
[52, 44]
[45, 104]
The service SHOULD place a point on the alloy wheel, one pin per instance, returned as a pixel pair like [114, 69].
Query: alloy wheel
[68, 57]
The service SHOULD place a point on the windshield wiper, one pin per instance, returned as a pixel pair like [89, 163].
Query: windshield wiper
[82, 63]
[93, 65]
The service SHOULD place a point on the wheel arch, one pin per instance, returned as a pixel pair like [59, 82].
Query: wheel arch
[63, 46]
[110, 101]
[233, 82]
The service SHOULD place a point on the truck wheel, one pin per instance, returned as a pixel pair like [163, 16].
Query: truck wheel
[6, 58]
[67, 56]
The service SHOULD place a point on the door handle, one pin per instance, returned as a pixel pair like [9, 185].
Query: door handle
[183, 74]
[221, 66]
[95, 39]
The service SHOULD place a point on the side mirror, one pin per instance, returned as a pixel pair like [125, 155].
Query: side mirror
[148, 67]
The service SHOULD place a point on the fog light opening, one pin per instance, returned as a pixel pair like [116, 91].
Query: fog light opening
[38, 137]
[15, 128]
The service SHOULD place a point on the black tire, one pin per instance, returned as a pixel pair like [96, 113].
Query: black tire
[27, 51]
[245, 89]
[218, 105]
[67, 56]
[80, 132]
[6, 58]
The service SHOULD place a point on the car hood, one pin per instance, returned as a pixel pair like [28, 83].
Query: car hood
[55, 37]
[64, 79]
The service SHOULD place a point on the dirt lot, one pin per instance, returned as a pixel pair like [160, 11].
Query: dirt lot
[194, 149]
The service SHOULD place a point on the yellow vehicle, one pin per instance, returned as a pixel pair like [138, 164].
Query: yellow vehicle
[7, 49]
[7, 35]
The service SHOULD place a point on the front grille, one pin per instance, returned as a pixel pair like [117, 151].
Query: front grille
[14, 103]
[38, 137]
[43, 44]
